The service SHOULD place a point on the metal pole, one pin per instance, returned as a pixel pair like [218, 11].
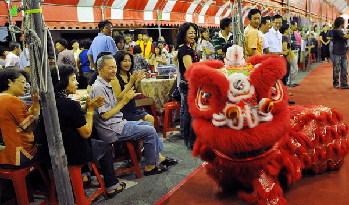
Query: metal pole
[49, 111]
[241, 29]
[232, 8]
[309, 24]
[13, 35]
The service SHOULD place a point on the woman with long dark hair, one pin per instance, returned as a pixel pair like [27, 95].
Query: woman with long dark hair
[186, 37]
[128, 79]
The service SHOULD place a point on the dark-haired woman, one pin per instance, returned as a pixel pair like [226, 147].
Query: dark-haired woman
[207, 47]
[157, 58]
[140, 63]
[76, 128]
[17, 123]
[186, 56]
[126, 80]
[285, 31]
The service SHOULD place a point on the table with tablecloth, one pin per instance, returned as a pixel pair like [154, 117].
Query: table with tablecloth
[159, 90]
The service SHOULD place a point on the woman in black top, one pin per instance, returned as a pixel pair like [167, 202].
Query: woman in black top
[325, 42]
[285, 31]
[128, 79]
[76, 128]
[186, 37]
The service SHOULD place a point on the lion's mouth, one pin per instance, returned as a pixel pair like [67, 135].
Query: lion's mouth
[249, 154]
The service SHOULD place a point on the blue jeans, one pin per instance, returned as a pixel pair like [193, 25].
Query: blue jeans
[340, 70]
[187, 131]
[136, 130]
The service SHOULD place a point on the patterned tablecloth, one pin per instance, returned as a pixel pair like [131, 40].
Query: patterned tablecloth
[158, 89]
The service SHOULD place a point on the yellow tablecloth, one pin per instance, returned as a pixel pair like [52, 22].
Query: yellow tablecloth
[158, 89]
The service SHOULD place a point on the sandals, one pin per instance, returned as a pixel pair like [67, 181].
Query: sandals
[157, 170]
[169, 161]
[116, 191]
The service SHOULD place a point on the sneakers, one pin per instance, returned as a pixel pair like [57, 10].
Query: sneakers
[336, 86]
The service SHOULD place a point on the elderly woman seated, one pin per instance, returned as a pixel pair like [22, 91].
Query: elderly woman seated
[17, 122]
[76, 128]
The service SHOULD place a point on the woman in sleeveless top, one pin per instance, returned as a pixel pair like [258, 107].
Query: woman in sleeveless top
[126, 80]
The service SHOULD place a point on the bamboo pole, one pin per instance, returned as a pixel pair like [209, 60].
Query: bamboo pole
[50, 114]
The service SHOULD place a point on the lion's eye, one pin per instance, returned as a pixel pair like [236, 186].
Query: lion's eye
[205, 97]
[239, 85]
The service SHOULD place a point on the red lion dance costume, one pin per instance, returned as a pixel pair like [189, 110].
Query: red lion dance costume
[253, 141]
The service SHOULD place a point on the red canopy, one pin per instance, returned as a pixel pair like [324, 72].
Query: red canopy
[87, 13]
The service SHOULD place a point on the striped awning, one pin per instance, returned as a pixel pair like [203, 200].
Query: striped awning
[87, 13]
[72, 14]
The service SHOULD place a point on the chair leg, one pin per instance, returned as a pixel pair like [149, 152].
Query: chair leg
[156, 120]
[20, 186]
[134, 159]
[76, 181]
[166, 119]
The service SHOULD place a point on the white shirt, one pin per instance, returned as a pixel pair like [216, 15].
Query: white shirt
[265, 43]
[12, 60]
[274, 40]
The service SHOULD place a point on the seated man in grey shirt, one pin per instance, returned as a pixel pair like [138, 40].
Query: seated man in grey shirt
[112, 127]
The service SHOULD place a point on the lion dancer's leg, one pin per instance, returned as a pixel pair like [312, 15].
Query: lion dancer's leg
[266, 191]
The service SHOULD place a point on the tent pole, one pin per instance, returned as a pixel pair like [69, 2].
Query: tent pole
[50, 115]
[13, 35]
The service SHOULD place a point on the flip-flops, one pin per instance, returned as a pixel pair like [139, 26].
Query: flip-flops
[116, 191]
[169, 161]
[157, 170]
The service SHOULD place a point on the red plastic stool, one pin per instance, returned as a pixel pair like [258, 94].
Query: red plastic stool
[19, 183]
[168, 117]
[134, 153]
[78, 187]
[312, 58]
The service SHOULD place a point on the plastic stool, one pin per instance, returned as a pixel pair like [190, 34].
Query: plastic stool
[168, 117]
[133, 155]
[19, 183]
[78, 187]
[312, 58]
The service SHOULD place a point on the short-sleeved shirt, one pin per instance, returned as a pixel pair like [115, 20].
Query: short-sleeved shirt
[84, 62]
[66, 57]
[324, 36]
[219, 41]
[102, 43]
[274, 40]
[108, 129]
[183, 51]
[12, 60]
[287, 40]
[14, 120]
[264, 40]
[24, 59]
[253, 39]
[71, 117]
[207, 44]
[339, 42]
